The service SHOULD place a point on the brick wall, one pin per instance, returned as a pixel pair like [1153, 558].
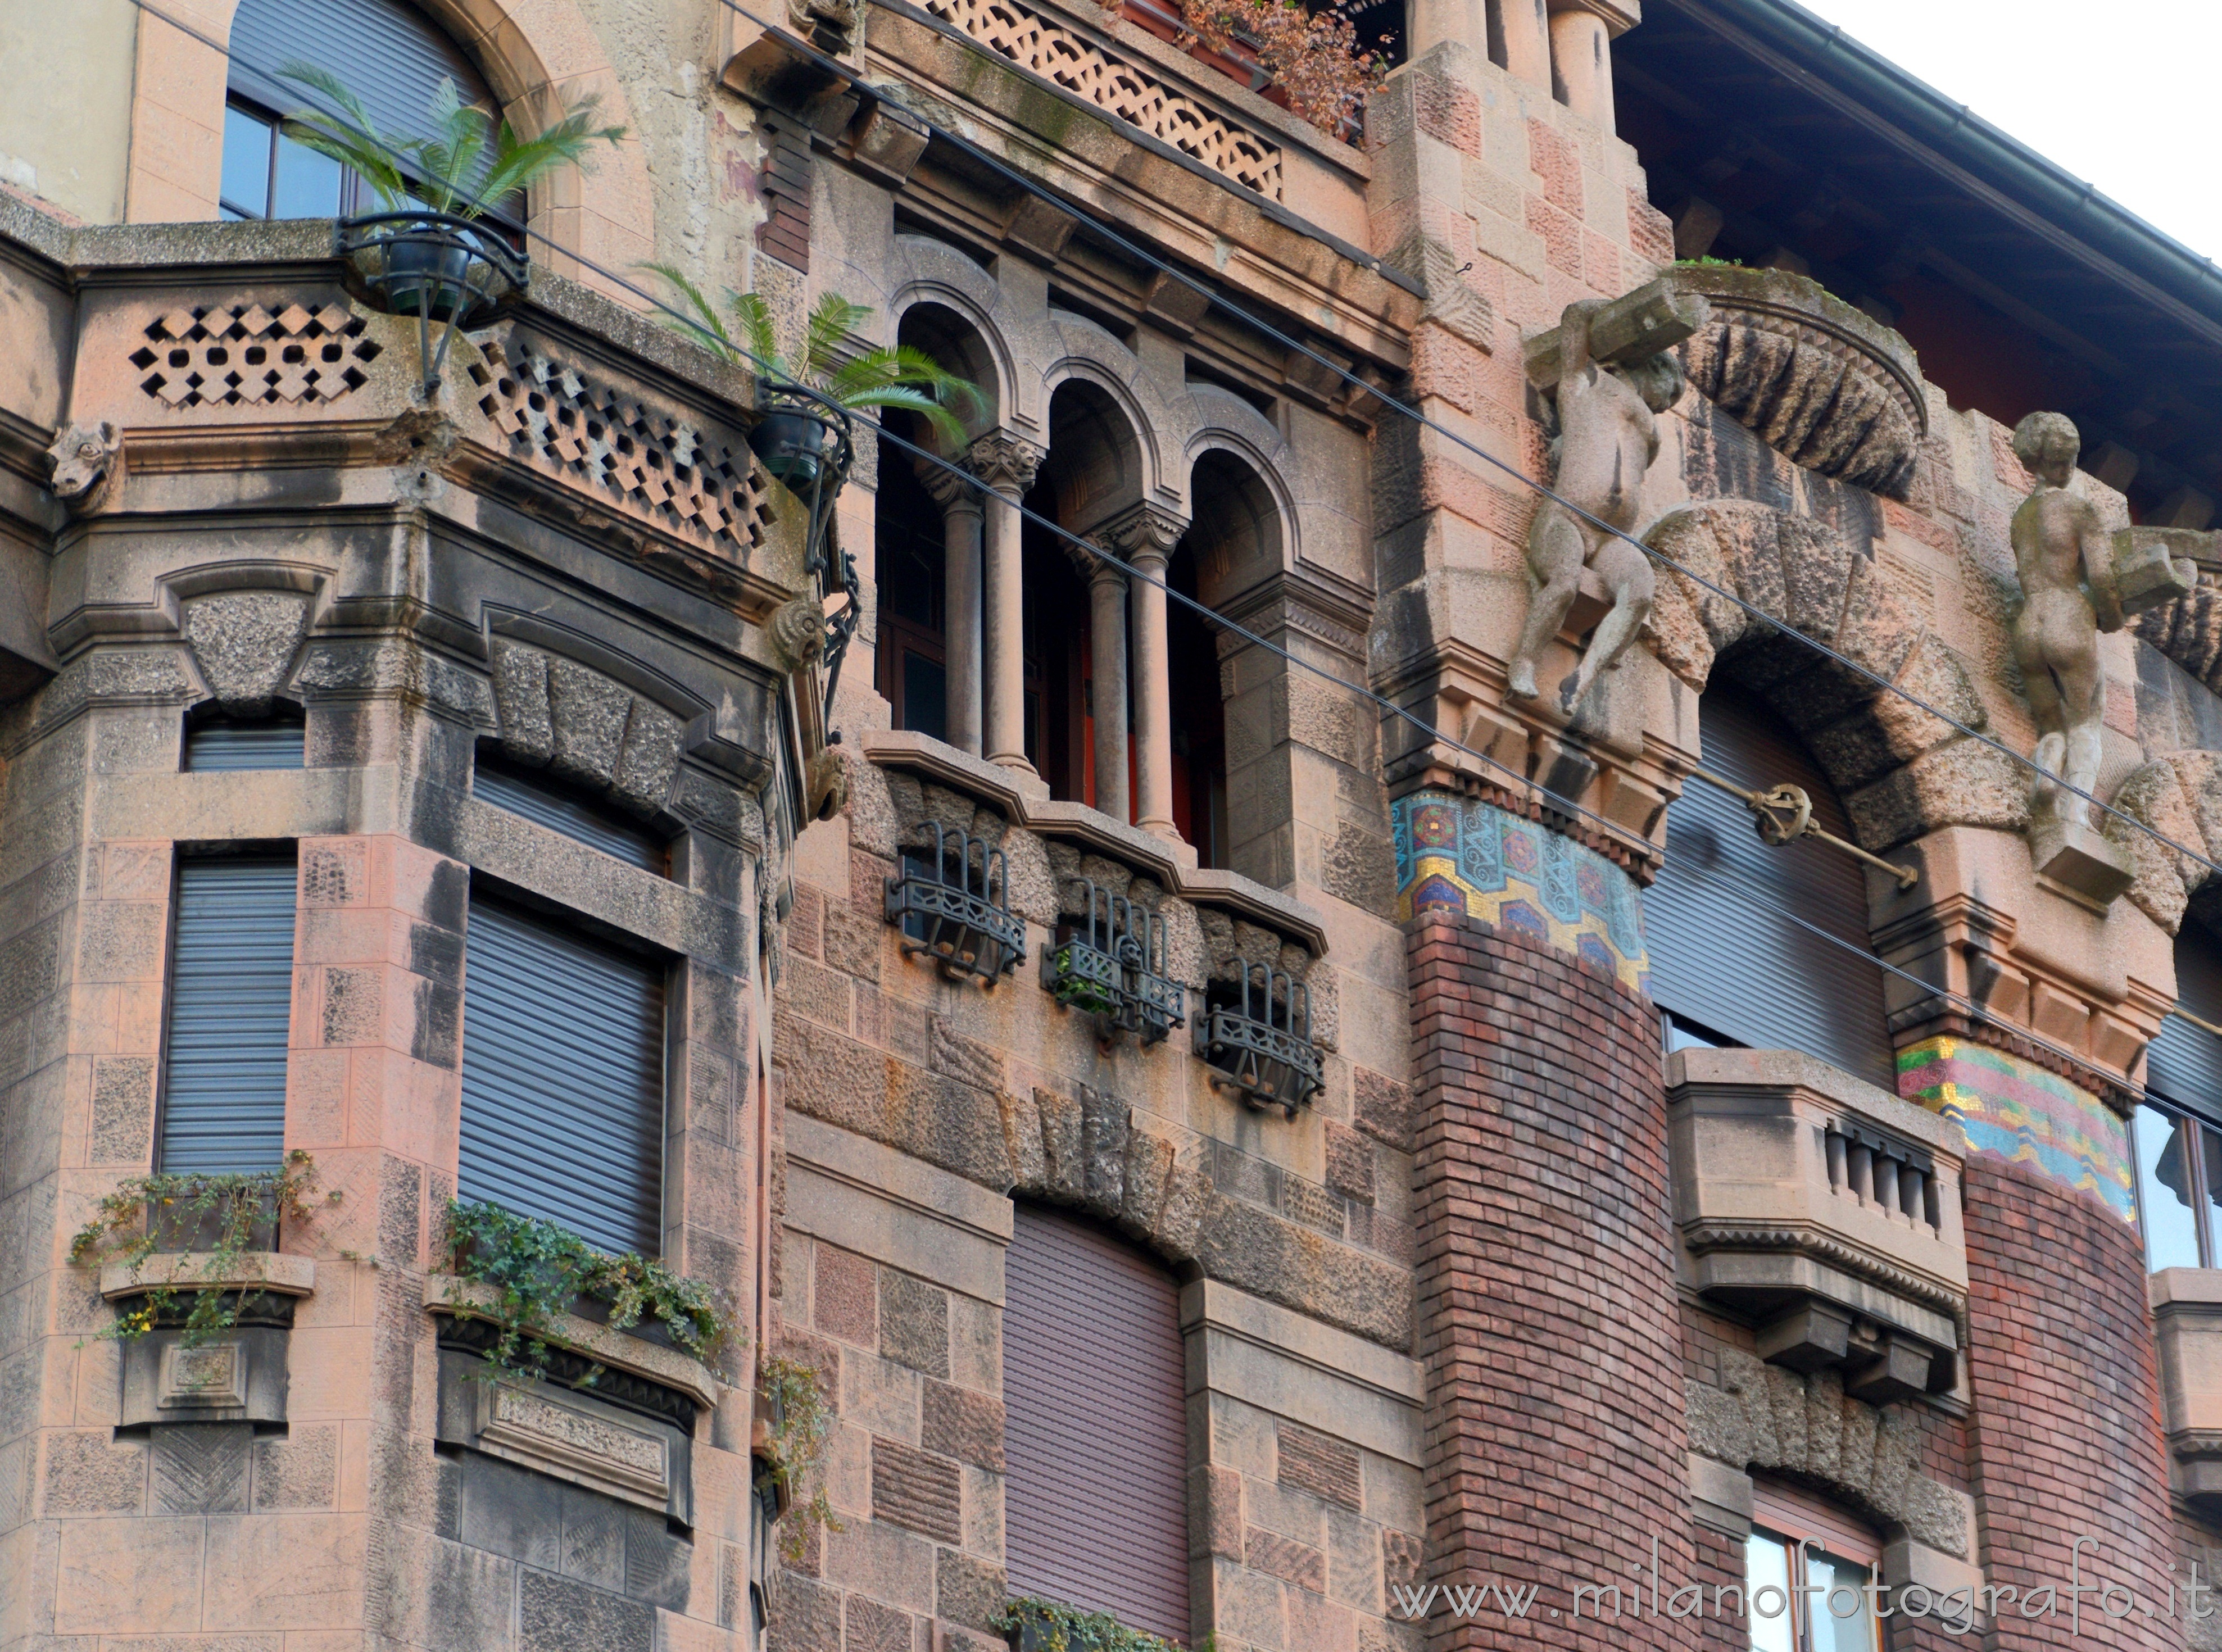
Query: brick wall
[1556, 1445]
[2065, 1441]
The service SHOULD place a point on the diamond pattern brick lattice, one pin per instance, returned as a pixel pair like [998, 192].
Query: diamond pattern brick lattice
[656, 466]
[241, 355]
[1079, 65]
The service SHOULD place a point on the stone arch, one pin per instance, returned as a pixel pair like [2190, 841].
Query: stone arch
[1900, 772]
[1242, 527]
[536, 55]
[1765, 1416]
[931, 272]
[1098, 462]
[2179, 795]
[1086, 353]
[556, 713]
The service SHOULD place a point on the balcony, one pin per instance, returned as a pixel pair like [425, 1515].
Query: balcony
[1824, 1212]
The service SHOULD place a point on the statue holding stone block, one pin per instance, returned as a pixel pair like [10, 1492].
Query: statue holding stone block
[2077, 580]
[1609, 363]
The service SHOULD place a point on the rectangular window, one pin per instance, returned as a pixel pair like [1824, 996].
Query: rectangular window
[563, 1061]
[1801, 1597]
[542, 799]
[232, 1003]
[2174, 1155]
[217, 744]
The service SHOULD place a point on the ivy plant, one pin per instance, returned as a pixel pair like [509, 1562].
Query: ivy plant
[1041, 1625]
[803, 1423]
[538, 1269]
[130, 1224]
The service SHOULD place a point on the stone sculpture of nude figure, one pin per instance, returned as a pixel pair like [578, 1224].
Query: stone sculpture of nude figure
[2064, 556]
[1608, 438]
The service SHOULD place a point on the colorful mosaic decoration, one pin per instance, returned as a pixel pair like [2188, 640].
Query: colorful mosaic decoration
[1518, 874]
[2017, 1111]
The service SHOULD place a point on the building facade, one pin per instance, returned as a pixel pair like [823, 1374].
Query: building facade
[1203, 1097]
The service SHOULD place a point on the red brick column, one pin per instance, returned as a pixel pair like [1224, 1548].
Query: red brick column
[2065, 1441]
[1556, 1444]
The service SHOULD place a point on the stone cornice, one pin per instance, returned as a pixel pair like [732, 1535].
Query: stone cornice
[1805, 1238]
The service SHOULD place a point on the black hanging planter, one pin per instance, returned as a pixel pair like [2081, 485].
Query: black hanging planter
[446, 271]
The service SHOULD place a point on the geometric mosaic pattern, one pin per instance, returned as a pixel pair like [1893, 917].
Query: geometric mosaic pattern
[651, 463]
[1518, 874]
[241, 355]
[2017, 1111]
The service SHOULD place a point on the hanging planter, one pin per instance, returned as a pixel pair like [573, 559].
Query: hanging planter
[446, 271]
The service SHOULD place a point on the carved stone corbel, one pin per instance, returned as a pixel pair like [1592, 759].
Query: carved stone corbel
[88, 466]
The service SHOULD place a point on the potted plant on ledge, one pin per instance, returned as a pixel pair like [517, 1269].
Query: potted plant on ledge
[428, 252]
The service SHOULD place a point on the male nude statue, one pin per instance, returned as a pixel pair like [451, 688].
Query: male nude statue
[2064, 556]
[1608, 439]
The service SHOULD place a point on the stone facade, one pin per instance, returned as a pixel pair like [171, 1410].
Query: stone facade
[1477, 1284]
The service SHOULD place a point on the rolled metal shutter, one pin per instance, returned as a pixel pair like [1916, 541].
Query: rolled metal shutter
[390, 56]
[539, 801]
[1724, 952]
[231, 1009]
[219, 745]
[2184, 1064]
[1095, 1425]
[562, 1078]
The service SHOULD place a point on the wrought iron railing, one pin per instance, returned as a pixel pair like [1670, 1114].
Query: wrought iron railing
[952, 904]
[1111, 962]
[1259, 1041]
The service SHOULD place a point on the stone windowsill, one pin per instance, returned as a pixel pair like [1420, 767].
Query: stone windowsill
[448, 1293]
[1171, 864]
[269, 1271]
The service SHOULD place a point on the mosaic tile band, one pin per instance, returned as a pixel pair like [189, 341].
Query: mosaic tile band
[2017, 1111]
[1518, 874]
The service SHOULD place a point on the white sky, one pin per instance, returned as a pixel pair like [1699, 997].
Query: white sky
[2124, 99]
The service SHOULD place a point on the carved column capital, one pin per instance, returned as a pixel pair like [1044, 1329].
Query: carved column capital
[1006, 462]
[1091, 565]
[1141, 532]
[947, 488]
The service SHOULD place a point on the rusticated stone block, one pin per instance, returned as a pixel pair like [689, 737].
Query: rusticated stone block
[1061, 1144]
[844, 1296]
[93, 1473]
[122, 1109]
[1402, 1557]
[1315, 1462]
[915, 1323]
[1349, 1163]
[299, 1469]
[917, 1491]
[804, 1617]
[967, 1591]
[1104, 1122]
[562, 1615]
[1286, 1558]
[1381, 1106]
[871, 1627]
[960, 1424]
[965, 1059]
[200, 1468]
[1215, 1512]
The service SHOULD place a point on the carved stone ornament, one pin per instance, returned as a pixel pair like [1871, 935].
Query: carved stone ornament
[1006, 462]
[797, 632]
[1141, 530]
[825, 784]
[88, 465]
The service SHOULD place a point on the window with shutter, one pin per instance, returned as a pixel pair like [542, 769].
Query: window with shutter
[1721, 924]
[389, 54]
[1095, 1441]
[231, 1011]
[563, 1058]
[540, 797]
[218, 744]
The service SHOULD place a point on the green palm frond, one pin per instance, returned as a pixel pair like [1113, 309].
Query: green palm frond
[755, 317]
[707, 327]
[348, 137]
[831, 320]
[570, 142]
[944, 422]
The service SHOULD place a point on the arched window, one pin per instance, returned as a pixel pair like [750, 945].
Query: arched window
[1733, 958]
[1807, 1567]
[389, 54]
[1094, 1514]
[2178, 1145]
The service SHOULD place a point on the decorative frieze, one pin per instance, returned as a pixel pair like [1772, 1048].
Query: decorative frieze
[2015, 1109]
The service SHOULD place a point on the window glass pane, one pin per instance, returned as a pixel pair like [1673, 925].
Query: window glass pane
[1842, 1614]
[246, 164]
[2210, 1142]
[2164, 1192]
[925, 699]
[1767, 1567]
[308, 183]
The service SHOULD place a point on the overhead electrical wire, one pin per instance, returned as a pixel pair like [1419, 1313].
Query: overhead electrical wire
[1540, 794]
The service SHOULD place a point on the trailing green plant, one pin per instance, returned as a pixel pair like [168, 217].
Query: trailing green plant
[797, 1445]
[538, 1269]
[130, 1224]
[471, 161]
[1060, 1628]
[883, 375]
[1709, 263]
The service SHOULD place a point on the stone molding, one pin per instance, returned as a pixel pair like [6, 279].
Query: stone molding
[1763, 1417]
[274, 1273]
[451, 1294]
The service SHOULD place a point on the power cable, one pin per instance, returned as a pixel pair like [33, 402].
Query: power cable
[1536, 790]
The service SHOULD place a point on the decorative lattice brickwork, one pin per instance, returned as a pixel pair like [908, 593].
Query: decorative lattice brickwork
[1077, 63]
[656, 465]
[241, 355]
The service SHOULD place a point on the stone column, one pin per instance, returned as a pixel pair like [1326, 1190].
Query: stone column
[1145, 537]
[1581, 61]
[961, 511]
[1525, 31]
[1007, 464]
[1107, 612]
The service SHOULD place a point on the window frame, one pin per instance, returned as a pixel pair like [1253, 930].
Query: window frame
[2197, 1189]
[350, 194]
[1777, 1515]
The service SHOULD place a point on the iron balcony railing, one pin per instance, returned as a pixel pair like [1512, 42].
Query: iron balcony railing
[1111, 962]
[1260, 1042]
[952, 904]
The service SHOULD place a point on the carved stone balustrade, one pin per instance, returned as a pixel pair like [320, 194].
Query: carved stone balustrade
[1825, 1211]
[2187, 1304]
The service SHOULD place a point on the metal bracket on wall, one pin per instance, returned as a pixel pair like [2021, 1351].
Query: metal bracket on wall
[1785, 814]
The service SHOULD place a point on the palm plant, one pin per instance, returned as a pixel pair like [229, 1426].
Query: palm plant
[884, 375]
[442, 172]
